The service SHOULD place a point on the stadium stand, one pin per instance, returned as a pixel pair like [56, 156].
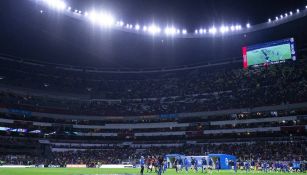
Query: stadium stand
[257, 114]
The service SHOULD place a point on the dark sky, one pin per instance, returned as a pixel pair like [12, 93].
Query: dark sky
[54, 37]
[193, 13]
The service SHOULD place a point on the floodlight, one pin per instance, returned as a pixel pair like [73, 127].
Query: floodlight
[153, 29]
[222, 29]
[144, 28]
[212, 30]
[57, 4]
[93, 16]
[120, 23]
[171, 31]
[201, 31]
[226, 28]
[106, 19]
[248, 25]
[137, 27]
[238, 27]
[232, 28]
[184, 31]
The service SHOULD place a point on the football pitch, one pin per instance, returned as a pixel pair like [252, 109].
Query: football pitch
[99, 171]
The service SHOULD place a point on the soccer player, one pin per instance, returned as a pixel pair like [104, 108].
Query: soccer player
[217, 164]
[176, 164]
[204, 164]
[253, 165]
[210, 166]
[160, 164]
[196, 165]
[148, 163]
[186, 164]
[192, 163]
[265, 167]
[247, 166]
[164, 165]
[142, 163]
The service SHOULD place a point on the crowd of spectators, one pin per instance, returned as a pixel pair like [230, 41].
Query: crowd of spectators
[162, 93]
[264, 151]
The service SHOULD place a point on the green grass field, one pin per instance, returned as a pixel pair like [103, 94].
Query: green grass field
[274, 53]
[96, 171]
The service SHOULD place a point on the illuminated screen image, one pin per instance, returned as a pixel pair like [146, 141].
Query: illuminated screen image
[269, 53]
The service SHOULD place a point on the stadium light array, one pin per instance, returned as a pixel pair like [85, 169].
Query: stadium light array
[201, 31]
[154, 29]
[212, 30]
[103, 19]
[108, 20]
[224, 29]
[170, 31]
[120, 23]
[232, 28]
[56, 4]
[238, 27]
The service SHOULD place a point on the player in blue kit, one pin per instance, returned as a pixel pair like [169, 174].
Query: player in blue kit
[196, 165]
[204, 164]
[142, 163]
[210, 166]
[217, 164]
[186, 164]
[247, 166]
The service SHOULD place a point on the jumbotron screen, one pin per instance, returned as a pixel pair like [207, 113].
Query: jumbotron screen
[269, 53]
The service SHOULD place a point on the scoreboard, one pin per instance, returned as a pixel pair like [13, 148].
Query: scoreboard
[269, 53]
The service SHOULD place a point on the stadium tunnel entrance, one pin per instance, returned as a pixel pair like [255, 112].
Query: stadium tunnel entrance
[224, 161]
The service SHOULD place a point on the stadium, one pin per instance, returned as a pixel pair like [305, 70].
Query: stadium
[134, 87]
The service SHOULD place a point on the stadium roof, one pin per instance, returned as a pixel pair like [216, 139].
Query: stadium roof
[33, 31]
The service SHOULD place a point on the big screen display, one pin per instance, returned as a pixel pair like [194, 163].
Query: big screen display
[269, 53]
